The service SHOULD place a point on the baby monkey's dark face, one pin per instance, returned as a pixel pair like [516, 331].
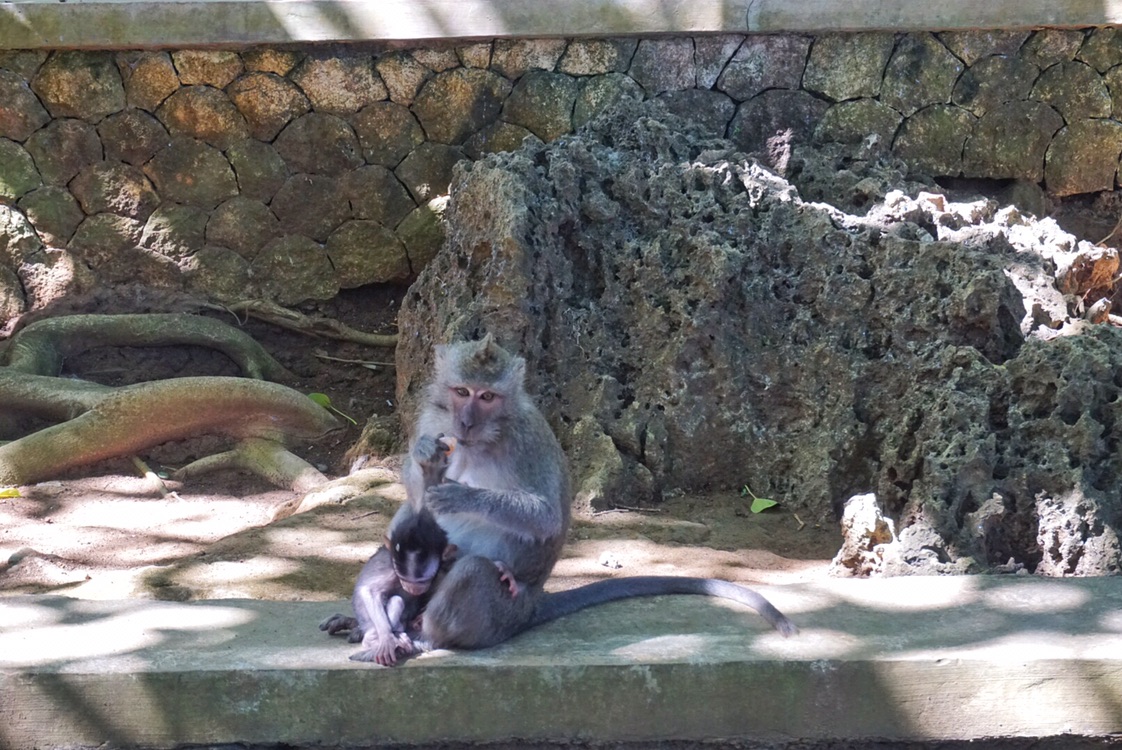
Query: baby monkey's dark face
[416, 568]
[418, 548]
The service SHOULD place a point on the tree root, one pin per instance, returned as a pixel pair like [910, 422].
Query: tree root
[266, 458]
[41, 347]
[98, 422]
[52, 398]
[337, 491]
[126, 420]
[291, 320]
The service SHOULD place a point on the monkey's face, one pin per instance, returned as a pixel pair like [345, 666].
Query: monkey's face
[415, 568]
[476, 412]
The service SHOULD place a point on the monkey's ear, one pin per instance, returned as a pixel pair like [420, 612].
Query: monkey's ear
[450, 552]
[518, 370]
[440, 353]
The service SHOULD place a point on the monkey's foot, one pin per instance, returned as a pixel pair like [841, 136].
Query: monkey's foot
[405, 644]
[508, 578]
[338, 624]
[380, 650]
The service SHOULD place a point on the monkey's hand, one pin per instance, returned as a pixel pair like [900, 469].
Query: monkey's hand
[431, 455]
[382, 650]
[507, 577]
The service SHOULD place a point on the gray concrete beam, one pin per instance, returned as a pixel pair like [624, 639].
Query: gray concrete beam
[914, 658]
[109, 24]
[915, 15]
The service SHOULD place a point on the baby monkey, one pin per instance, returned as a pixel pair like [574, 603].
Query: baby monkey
[396, 583]
[392, 590]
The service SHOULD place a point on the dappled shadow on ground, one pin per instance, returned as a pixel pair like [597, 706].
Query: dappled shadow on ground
[112, 537]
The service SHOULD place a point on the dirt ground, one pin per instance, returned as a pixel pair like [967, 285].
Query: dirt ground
[106, 532]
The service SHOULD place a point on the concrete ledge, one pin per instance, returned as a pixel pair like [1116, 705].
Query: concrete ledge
[902, 659]
[110, 24]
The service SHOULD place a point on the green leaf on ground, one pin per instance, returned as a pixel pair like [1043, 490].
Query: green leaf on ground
[325, 401]
[760, 504]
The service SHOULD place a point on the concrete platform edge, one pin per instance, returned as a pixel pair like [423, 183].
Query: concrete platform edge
[904, 659]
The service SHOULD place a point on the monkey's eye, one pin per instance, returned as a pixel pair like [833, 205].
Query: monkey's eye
[462, 392]
[486, 396]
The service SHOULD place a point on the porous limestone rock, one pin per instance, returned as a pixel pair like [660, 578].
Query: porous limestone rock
[692, 322]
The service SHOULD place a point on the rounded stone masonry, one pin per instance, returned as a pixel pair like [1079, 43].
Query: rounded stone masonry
[265, 144]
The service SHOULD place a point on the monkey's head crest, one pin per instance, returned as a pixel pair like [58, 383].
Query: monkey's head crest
[482, 362]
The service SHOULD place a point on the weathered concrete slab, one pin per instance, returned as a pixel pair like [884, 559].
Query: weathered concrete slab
[914, 658]
[908, 15]
[106, 24]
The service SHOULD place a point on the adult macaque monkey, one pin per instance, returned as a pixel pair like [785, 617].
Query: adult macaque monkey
[504, 503]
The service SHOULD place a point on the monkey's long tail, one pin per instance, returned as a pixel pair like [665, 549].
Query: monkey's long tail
[554, 605]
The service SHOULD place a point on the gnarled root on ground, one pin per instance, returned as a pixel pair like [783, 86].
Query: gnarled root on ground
[41, 347]
[266, 458]
[337, 491]
[121, 421]
[97, 422]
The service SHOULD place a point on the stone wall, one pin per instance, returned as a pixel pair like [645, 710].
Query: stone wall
[293, 173]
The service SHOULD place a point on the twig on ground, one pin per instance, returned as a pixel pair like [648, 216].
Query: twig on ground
[364, 362]
[626, 509]
[291, 320]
